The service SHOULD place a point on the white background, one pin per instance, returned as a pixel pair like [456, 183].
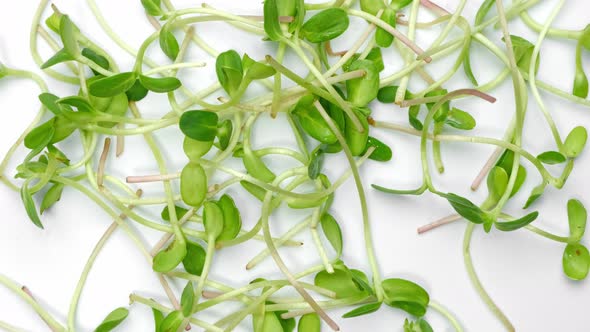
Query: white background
[520, 270]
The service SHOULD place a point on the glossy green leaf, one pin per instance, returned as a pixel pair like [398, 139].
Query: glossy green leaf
[53, 21]
[256, 167]
[536, 193]
[230, 72]
[158, 319]
[169, 44]
[382, 151]
[254, 190]
[361, 280]
[372, 6]
[193, 184]
[112, 85]
[136, 92]
[356, 140]
[112, 320]
[325, 25]
[576, 215]
[224, 133]
[68, 33]
[63, 129]
[272, 25]
[483, 11]
[387, 94]
[187, 299]
[364, 309]
[152, 7]
[29, 205]
[312, 121]
[309, 323]
[96, 58]
[460, 119]
[160, 85]
[194, 261]
[332, 232]
[382, 37]
[212, 219]
[116, 105]
[580, 88]
[497, 183]
[513, 225]
[258, 71]
[232, 221]
[59, 57]
[172, 322]
[39, 137]
[575, 142]
[50, 102]
[270, 323]
[406, 295]
[551, 158]
[316, 163]
[523, 53]
[169, 258]
[340, 282]
[363, 90]
[194, 149]
[52, 196]
[576, 261]
[180, 212]
[199, 125]
[58, 154]
[467, 209]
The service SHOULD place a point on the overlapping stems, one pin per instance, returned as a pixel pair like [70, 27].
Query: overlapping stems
[315, 99]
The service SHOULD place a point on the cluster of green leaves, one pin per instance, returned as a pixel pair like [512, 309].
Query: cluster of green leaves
[388, 15]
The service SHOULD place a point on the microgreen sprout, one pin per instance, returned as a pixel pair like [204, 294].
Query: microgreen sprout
[329, 111]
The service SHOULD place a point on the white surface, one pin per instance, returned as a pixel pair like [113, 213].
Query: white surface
[520, 270]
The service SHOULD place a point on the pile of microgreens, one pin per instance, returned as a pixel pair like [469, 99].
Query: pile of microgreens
[329, 113]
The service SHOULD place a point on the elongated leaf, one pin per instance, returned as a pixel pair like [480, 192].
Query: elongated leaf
[136, 92]
[212, 219]
[535, 195]
[152, 7]
[158, 319]
[232, 221]
[112, 320]
[160, 85]
[363, 310]
[39, 137]
[316, 163]
[52, 196]
[460, 119]
[230, 72]
[68, 33]
[513, 225]
[169, 44]
[272, 26]
[382, 151]
[225, 130]
[187, 299]
[59, 57]
[193, 184]
[29, 204]
[112, 85]
[332, 232]
[467, 209]
[497, 183]
[172, 322]
[551, 158]
[340, 282]
[575, 142]
[576, 215]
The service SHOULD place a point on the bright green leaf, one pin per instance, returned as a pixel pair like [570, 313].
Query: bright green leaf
[112, 320]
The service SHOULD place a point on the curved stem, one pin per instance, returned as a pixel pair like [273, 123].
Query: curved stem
[477, 283]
